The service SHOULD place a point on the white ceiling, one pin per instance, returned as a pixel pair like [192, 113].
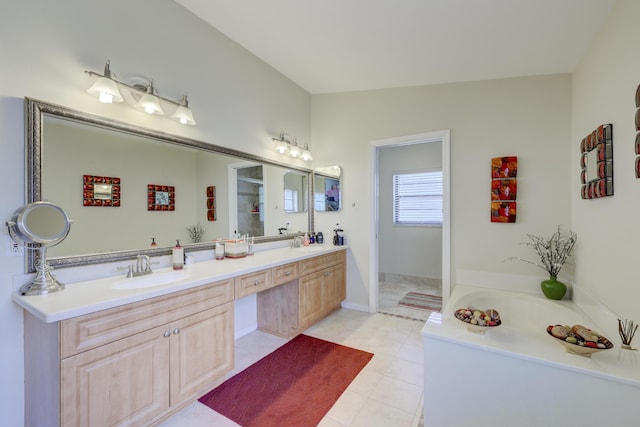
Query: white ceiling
[330, 46]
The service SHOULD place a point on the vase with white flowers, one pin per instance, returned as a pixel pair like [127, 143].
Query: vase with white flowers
[553, 253]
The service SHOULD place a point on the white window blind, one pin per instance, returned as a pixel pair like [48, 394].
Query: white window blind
[417, 198]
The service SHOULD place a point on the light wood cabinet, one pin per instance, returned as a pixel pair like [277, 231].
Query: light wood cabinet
[133, 364]
[252, 283]
[289, 309]
[320, 294]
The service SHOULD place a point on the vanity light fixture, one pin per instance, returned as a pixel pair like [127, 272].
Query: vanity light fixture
[284, 145]
[294, 150]
[306, 154]
[107, 90]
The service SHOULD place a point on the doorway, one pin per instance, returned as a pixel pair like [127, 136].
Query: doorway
[409, 262]
[246, 199]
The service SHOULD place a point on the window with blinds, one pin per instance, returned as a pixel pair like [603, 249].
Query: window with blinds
[417, 198]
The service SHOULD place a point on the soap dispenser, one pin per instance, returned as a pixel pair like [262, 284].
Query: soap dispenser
[178, 256]
[305, 240]
[338, 240]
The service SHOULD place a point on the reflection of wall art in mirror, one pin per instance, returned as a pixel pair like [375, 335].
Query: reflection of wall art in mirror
[596, 161]
[161, 198]
[504, 189]
[100, 191]
[211, 203]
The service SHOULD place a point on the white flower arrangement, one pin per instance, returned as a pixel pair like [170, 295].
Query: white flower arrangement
[195, 233]
[553, 252]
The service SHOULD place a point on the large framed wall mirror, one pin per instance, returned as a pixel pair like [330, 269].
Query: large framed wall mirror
[65, 145]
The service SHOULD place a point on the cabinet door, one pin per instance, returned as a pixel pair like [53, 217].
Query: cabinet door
[124, 383]
[336, 287]
[201, 351]
[312, 295]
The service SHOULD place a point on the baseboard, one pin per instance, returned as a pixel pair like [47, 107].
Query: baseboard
[357, 307]
[245, 331]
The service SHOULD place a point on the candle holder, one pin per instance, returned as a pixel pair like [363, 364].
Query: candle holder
[627, 329]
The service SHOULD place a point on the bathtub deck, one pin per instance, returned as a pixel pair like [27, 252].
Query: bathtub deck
[517, 370]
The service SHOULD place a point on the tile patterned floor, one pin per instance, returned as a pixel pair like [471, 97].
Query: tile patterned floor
[387, 392]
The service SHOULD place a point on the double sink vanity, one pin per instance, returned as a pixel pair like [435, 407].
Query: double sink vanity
[131, 351]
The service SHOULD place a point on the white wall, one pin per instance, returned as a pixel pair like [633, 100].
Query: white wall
[528, 117]
[238, 101]
[604, 88]
[408, 250]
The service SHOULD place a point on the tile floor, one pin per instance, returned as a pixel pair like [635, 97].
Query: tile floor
[388, 392]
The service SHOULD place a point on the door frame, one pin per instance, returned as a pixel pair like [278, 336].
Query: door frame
[444, 137]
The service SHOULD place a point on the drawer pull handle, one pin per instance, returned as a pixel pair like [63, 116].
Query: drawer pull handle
[176, 331]
[166, 334]
[287, 273]
[326, 273]
[256, 283]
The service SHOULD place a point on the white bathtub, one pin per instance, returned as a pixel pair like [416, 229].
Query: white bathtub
[517, 375]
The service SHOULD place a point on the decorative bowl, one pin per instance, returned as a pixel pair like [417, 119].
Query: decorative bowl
[581, 347]
[478, 321]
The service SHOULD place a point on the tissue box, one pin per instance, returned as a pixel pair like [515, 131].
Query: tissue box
[235, 248]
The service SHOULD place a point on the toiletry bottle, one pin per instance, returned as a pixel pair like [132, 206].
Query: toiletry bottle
[219, 251]
[312, 238]
[153, 243]
[178, 256]
[320, 238]
[305, 240]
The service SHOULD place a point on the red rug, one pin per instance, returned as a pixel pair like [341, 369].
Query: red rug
[293, 386]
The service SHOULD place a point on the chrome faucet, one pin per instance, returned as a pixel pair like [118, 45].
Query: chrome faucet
[296, 242]
[143, 265]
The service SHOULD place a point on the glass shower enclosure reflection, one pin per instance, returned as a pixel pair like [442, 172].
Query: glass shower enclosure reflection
[250, 200]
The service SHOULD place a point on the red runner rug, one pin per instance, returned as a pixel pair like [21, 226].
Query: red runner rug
[293, 386]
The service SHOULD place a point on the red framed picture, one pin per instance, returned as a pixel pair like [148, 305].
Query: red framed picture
[100, 191]
[211, 203]
[504, 189]
[504, 167]
[503, 212]
[161, 198]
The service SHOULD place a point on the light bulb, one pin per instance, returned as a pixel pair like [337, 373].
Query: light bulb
[105, 98]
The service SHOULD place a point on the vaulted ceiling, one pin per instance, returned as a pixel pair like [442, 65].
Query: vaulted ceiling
[347, 45]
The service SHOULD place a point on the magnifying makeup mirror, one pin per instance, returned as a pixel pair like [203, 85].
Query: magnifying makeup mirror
[38, 226]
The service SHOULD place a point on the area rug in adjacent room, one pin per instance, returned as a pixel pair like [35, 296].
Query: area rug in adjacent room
[421, 301]
[296, 385]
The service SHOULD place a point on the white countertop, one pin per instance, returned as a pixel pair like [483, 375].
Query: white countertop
[90, 296]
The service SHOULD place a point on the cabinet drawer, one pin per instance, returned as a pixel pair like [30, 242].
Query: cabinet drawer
[92, 330]
[311, 265]
[285, 273]
[252, 283]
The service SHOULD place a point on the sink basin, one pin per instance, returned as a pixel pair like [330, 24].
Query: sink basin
[152, 280]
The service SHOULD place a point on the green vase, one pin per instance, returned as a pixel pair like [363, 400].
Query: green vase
[553, 289]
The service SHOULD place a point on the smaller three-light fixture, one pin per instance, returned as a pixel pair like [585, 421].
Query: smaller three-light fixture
[284, 145]
[142, 97]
